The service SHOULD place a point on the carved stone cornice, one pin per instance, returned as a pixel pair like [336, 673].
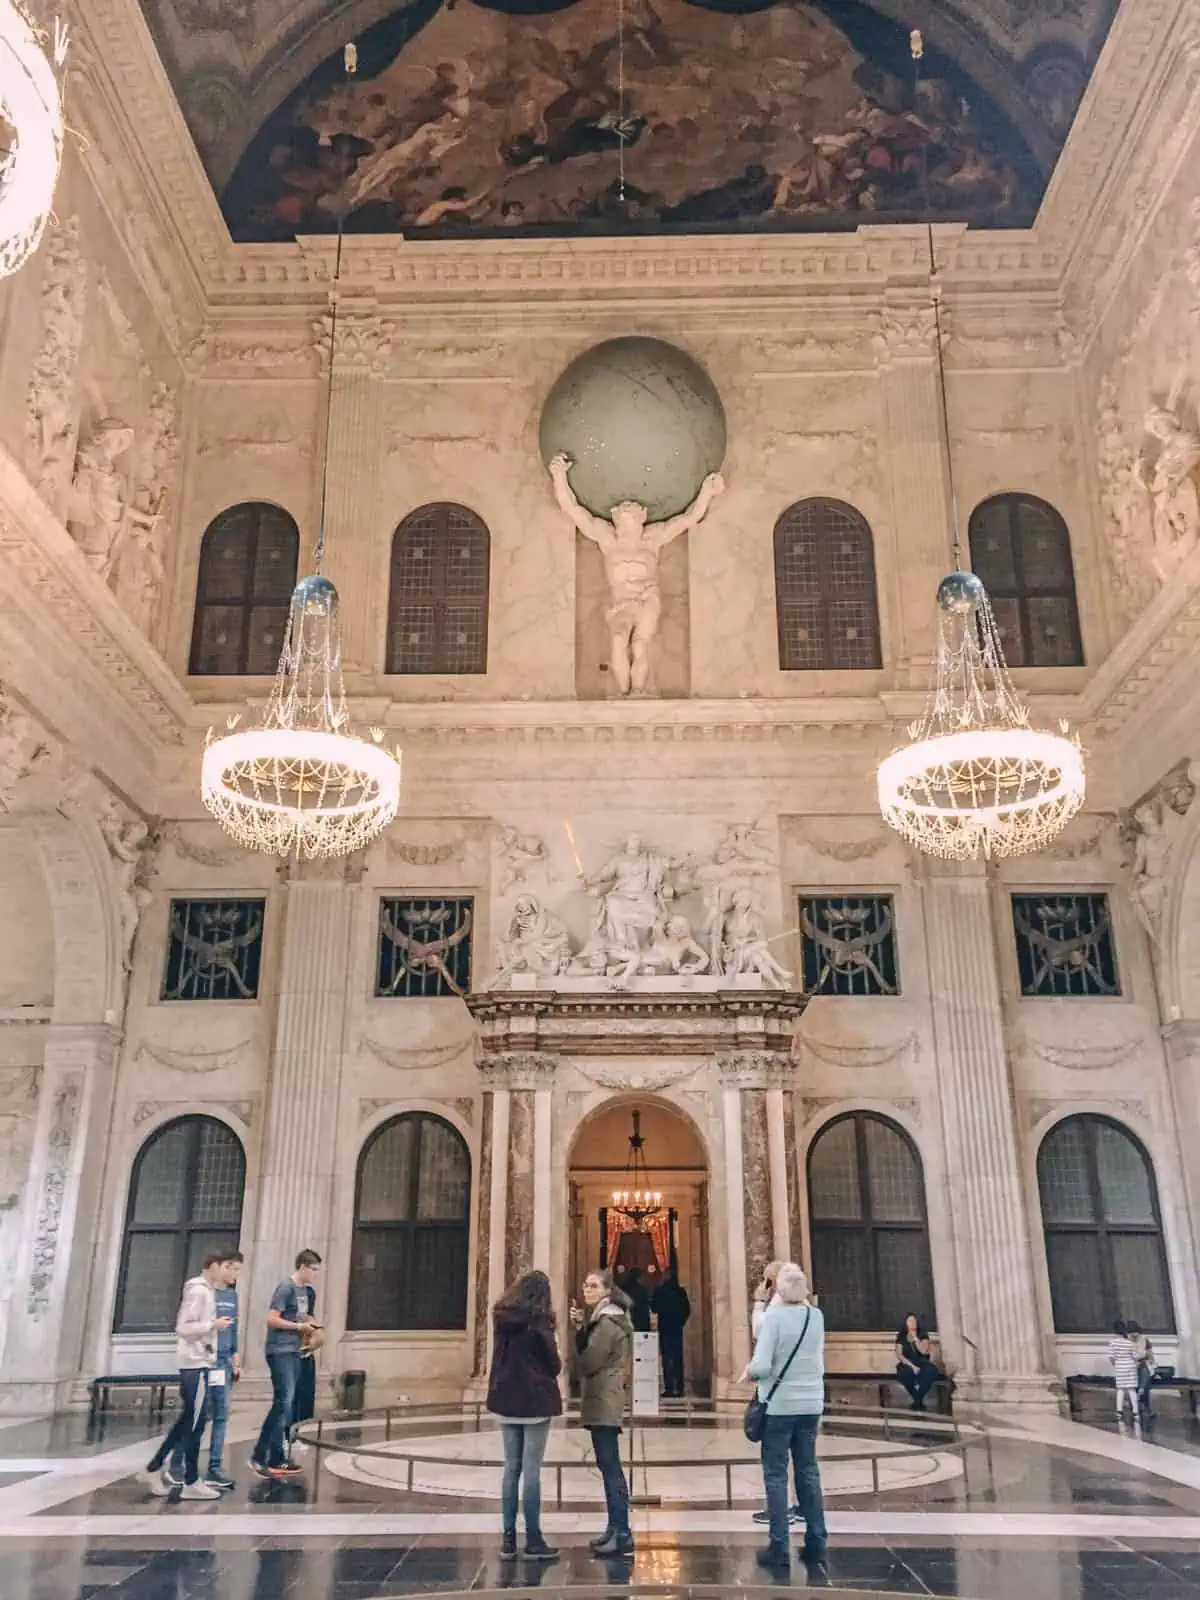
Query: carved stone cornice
[756, 1069]
[636, 1024]
[518, 1069]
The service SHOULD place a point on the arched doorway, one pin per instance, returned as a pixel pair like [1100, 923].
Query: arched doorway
[676, 1239]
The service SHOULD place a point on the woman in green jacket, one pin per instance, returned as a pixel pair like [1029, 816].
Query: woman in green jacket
[602, 1362]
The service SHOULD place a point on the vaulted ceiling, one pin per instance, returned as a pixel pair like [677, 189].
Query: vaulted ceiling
[258, 82]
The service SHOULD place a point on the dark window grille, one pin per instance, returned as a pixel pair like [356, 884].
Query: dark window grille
[1021, 550]
[870, 1232]
[826, 605]
[412, 1204]
[1065, 945]
[438, 599]
[1104, 1242]
[248, 560]
[424, 947]
[848, 944]
[185, 1199]
[214, 950]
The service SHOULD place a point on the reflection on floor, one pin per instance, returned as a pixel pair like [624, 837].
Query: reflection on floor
[1056, 1511]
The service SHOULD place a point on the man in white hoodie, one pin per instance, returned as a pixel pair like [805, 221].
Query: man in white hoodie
[196, 1330]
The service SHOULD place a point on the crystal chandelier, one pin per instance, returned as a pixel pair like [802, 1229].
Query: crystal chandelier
[300, 783]
[32, 122]
[639, 1203]
[976, 778]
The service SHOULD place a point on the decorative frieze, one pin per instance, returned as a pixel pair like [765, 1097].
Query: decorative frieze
[519, 1070]
[60, 1136]
[755, 1069]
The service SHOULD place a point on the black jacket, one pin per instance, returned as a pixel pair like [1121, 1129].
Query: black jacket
[525, 1365]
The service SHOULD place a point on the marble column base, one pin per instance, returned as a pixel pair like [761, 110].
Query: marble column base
[1039, 1389]
[35, 1399]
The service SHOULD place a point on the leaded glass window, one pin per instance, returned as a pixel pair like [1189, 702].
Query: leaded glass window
[826, 606]
[247, 573]
[1104, 1243]
[438, 599]
[1065, 945]
[408, 1266]
[1021, 550]
[185, 1200]
[870, 1238]
[214, 950]
[424, 947]
[848, 944]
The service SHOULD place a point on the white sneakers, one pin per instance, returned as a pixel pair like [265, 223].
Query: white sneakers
[155, 1482]
[199, 1491]
[161, 1487]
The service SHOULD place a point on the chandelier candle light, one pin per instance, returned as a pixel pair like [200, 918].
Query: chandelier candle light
[301, 783]
[641, 1203]
[32, 119]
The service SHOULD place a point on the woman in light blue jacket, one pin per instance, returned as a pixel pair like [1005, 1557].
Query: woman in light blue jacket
[789, 1366]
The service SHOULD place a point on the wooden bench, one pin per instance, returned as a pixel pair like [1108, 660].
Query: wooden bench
[100, 1393]
[1187, 1388]
[888, 1390]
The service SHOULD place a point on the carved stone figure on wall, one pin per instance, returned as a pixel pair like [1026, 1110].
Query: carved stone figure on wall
[672, 949]
[137, 559]
[1126, 500]
[1149, 835]
[52, 406]
[1172, 486]
[536, 943]
[744, 947]
[99, 506]
[519, 854]
[631, 889]
[630, 548]
[131, 848]
[23, 747]
[740, 860]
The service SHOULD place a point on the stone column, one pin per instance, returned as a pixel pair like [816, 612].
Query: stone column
[1181, 1041]
[989, 1222]
[299, 1156]
[914, 467]
[61, 1234]
[514, 1211]
[355, 446]
[792, 1109]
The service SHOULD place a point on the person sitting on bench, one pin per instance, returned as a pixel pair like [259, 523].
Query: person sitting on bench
[915, 1366]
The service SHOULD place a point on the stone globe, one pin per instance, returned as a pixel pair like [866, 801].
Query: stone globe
[640, 421]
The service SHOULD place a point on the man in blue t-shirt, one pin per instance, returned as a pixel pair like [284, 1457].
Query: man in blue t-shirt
[287, 1317]
[226, 1370]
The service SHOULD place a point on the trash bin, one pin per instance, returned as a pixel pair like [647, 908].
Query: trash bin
[353, 1395]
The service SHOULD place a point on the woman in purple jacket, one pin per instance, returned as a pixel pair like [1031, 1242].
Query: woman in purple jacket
[523, 1392]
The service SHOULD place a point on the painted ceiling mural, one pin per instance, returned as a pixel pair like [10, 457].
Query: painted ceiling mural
[484, 117]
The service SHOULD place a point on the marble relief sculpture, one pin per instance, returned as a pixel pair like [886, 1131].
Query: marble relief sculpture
[638, 926]
[519, 854]
[132, 851]
[52, 408]
[1126, 501]
[1171, 481]
[630, 547]
[137, 559]
[100, 507]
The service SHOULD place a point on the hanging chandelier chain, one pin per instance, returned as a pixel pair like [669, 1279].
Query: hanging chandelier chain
[621, 98]
[319, 548]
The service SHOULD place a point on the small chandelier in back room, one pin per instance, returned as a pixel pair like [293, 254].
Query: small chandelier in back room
[976, 778]
[300, 783]
[637, 1202]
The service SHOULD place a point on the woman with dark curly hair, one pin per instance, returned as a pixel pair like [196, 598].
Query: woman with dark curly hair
[523, 1392]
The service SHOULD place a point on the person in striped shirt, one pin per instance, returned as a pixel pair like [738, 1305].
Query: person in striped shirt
[1123, 1355]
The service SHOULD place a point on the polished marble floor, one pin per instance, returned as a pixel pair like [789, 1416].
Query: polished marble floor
[1051, 1510]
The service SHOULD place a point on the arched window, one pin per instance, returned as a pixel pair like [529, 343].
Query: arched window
[247, 573]
[1021, 550]
[185, 1199]
[438, 600]
[870, 1237]
[1104, 1242]
[412, 1201]
[825, 600]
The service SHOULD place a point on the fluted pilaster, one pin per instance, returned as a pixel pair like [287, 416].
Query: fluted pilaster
[990, 1225]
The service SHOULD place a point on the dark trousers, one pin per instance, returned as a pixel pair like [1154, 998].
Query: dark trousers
[670, 1345]
[794, 1437]
[285, 1369]
[1145, 1379]
[918, 1383]
[183, 1441]
[304, 1400]
[606, 1442]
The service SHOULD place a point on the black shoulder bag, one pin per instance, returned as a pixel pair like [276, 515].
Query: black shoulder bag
[754, 1423]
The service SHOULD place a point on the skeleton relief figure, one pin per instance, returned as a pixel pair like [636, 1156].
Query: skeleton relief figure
[630, 547]
[536, 943]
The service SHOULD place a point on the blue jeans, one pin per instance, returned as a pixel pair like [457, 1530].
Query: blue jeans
[285, 1369]
[794, 1436]
[606, 1442]
[218, 1410]
[182, 1444]
[524, 1447]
